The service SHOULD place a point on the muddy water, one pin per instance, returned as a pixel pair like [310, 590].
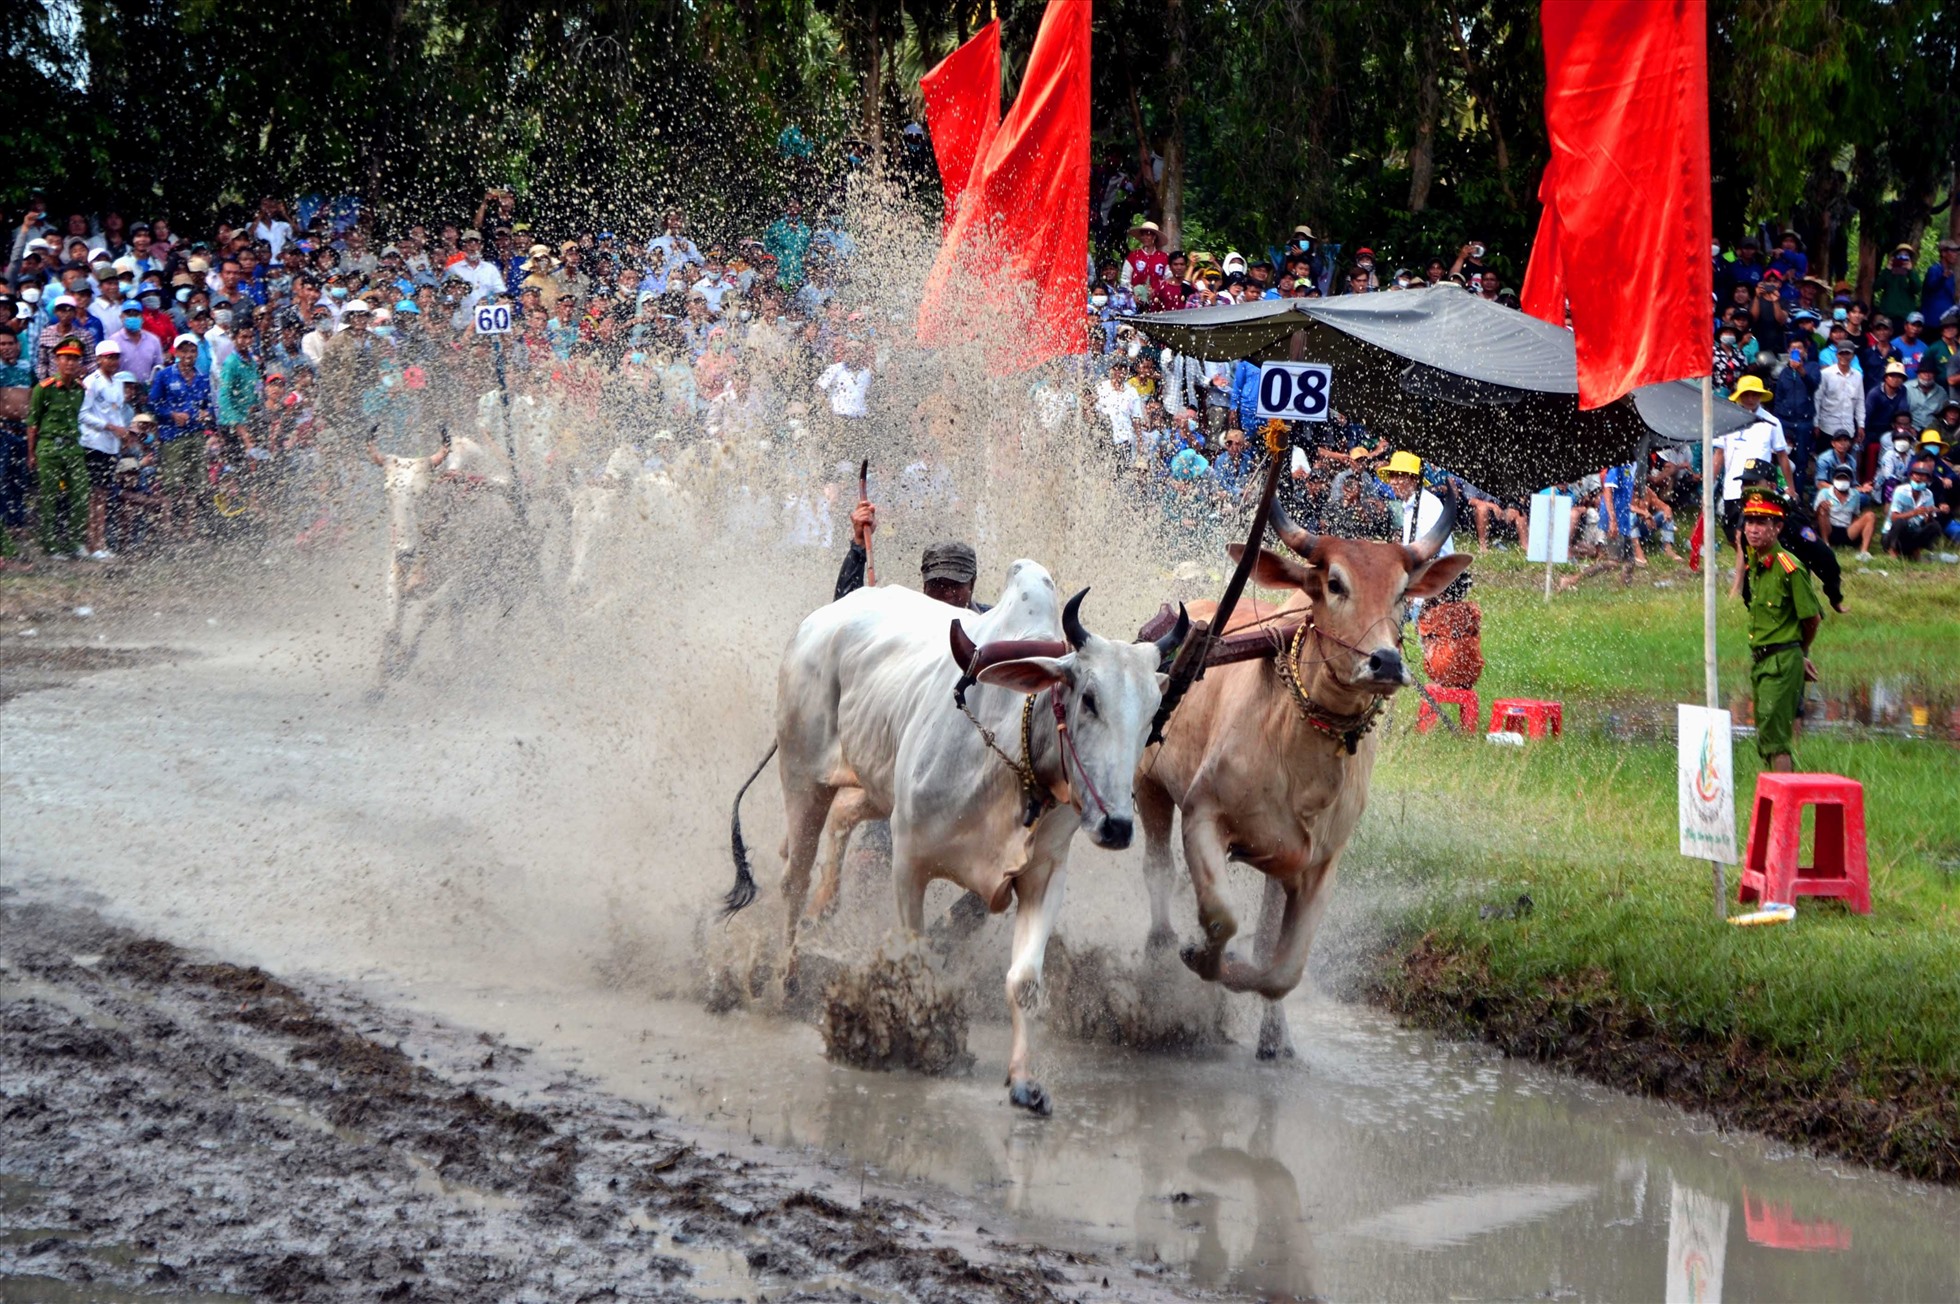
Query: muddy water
[514, 863]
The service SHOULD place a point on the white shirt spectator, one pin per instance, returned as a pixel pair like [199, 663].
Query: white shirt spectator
[483, 276]
[275, 233]
[1122, 407]
[1840, 401]
[103, 407]
[1759, 442]
[1429, 510]
[677, 251]
[714, 289]
[849, 390]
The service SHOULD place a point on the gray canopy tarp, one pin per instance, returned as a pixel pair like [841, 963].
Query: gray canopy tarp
[1482, 389]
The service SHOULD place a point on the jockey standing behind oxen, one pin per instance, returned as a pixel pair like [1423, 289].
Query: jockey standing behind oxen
[947, 571]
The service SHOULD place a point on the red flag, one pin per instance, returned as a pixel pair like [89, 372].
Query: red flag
[1627, 191]
[1021, 235]
[962, 97]
[1543, 295]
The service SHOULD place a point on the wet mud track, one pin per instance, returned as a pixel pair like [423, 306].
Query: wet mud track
[174, 1125]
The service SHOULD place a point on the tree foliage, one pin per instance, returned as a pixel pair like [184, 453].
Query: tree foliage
[1411, 125]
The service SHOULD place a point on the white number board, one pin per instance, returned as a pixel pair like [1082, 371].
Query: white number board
[493, 319]
[1548, 536]
[1295, 391]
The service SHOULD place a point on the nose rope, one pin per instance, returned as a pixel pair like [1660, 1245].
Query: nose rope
[1068, 747]
[1034, 792]
[1347, 729]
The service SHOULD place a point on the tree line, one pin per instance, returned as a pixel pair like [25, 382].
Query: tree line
[1410, 125]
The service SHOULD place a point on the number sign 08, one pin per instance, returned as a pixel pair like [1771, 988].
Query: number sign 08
[1295, 391]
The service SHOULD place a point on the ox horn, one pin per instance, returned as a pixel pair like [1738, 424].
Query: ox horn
[1169, 643]
[1427, 546]
[1291, 534]
[1072, 625]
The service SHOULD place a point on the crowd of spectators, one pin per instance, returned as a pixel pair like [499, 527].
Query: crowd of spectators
[187, 360]
[140, 368]
[1804, 356]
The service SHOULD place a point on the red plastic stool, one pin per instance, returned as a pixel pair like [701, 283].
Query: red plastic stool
[1771, 871]
[1468, 709]
[1538, 718]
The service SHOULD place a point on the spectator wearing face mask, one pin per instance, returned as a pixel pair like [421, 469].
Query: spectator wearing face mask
[1913, 521]
[1792, 398]
[1845, 514]
[1886, 401]
[1728, 362]
[1925, 396]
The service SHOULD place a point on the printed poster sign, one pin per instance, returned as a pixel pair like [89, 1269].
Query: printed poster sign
[1705, 772]
[1697, 1240]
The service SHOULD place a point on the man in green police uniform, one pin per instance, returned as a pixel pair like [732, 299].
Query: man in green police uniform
[55, 454]
[1784, 614]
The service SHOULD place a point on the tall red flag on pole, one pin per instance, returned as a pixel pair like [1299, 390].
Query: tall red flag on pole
[1625, 235]
[1021, 235]
[962, 95]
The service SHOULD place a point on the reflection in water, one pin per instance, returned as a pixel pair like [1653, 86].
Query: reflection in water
[1697, 1243]
[1776, 1226]
[1279, 1263]
[1455, 1218]
[1899, 708]
[1379, 1165]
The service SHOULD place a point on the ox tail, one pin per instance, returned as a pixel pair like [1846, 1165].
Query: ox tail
[744, 890]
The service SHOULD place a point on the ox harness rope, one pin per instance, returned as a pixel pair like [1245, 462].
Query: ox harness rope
[1347, 729]
[1037, 797]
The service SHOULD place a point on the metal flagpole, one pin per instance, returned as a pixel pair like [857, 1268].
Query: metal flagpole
[1710, 532]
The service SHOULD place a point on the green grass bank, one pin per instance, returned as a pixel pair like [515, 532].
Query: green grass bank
[1838, 1030]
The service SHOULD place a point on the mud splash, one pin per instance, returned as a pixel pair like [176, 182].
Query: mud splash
[895, 1013]
[1091, 994]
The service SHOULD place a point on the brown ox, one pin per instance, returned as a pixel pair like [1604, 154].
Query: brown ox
[1276, 774]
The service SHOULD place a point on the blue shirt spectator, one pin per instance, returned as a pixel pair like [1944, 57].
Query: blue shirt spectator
[1619, 479]
[173, 394]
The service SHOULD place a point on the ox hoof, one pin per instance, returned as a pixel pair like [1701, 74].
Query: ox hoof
[1160, 939]
[1275, 1048]
[1031, 1096]
[1200, 961]
[1275, 1038]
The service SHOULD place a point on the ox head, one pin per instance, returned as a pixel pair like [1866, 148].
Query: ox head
[1360, 591]
[1108, 691]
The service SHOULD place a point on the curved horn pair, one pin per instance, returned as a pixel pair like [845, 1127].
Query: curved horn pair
[1425, 548]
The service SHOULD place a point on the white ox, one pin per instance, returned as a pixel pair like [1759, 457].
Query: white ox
[429, 499]
[866, 700]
